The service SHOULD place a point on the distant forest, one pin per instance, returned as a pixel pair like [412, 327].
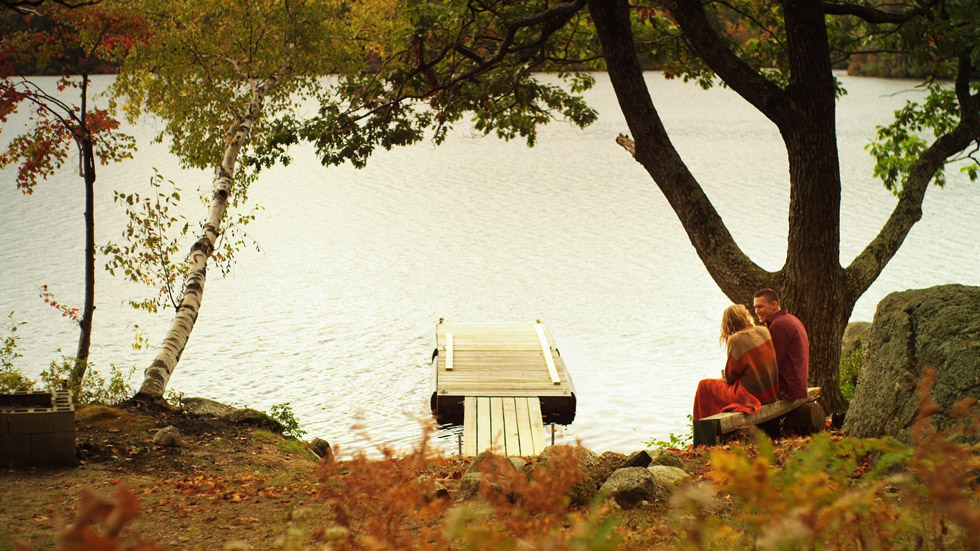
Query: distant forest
[870, 64]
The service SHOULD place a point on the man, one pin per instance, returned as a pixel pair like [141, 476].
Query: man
[790, 341]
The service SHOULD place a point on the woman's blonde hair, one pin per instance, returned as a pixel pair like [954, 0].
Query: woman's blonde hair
[734, 319]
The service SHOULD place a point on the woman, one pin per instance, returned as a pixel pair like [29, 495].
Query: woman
[751, 378]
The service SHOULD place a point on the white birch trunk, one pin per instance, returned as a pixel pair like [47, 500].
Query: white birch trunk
[156, 376]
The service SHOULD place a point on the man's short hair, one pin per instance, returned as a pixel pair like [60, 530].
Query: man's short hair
[768, 293]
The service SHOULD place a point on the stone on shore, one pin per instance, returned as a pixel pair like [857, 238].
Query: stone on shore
[168, 436]
[248, 416]
[670, 478]
[205, 406]
[914, 331]
[609, 462]
[666, 458]
[630, 486]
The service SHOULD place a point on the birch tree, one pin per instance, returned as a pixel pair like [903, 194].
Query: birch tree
[223, 75]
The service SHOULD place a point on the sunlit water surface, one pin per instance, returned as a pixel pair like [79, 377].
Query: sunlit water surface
[336, 314]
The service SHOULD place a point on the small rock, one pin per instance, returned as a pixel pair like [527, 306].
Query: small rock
[609, 462]
[665, 457]
[588, 463]
[632, 485]
[517, 462]
[168, 436]
[640, 458]
[321, 448]
[494, 463]
[587, 458]
[670, 478]
[469, 485]
[204, 406]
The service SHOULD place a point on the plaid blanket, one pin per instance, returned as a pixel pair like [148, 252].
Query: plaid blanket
[751, 378]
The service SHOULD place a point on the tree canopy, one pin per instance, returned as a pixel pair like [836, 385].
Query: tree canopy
[223, 76]
[77, 40]
[479, 58]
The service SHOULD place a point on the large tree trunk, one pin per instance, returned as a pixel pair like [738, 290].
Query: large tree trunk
[158, 374]
[812, 284]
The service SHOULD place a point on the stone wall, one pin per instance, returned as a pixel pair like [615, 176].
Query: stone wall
[37, 428]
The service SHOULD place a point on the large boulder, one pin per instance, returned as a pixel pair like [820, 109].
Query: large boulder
[856, 336]
[913, 331]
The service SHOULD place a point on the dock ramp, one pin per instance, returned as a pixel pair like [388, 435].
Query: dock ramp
[502, 382]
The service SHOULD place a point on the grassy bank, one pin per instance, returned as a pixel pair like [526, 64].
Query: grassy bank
[233, 483]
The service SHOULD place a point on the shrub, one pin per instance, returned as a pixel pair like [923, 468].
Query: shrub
[849, 493]
[95, 389]
[11, 379]
[290, 425]
[850, 368]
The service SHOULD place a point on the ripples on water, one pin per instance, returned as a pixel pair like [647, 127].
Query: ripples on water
[337, 313]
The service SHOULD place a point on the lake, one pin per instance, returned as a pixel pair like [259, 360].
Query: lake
[336, 313]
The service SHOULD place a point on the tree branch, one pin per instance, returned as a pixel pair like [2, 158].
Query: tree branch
[866, 267]
[710, 47]
[874, 15]
[731, 269]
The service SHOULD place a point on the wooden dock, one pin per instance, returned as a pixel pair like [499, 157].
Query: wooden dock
[502, 381]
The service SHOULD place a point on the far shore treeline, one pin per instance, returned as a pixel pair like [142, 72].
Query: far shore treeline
[878, 64]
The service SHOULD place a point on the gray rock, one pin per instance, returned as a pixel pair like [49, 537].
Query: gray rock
[856, 337]
[487, 460]
[469, 485]
[248, 416]
[914, 331]
[670, 478]
[640, 458]
[631, 486]
[553, 457]
[168, 436]
[608, 462]
[204, 406]
[517, 462]
[587, 459]
[321, 448]
[665, 457]
[488, 464]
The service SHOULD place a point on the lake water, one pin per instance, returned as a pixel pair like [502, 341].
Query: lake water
[336, 315]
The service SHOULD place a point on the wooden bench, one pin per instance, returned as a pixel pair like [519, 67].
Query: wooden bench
[504, 425]
[708, 429]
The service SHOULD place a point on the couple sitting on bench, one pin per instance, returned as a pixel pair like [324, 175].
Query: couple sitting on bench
[765, 363]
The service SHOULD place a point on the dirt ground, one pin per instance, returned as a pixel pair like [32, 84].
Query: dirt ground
[227, 483]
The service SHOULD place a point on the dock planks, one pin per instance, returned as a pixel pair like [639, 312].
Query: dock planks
[498, 359]
[503, 425]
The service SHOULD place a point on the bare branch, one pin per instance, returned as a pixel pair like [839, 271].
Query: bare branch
[709, 45]
[874, 15]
